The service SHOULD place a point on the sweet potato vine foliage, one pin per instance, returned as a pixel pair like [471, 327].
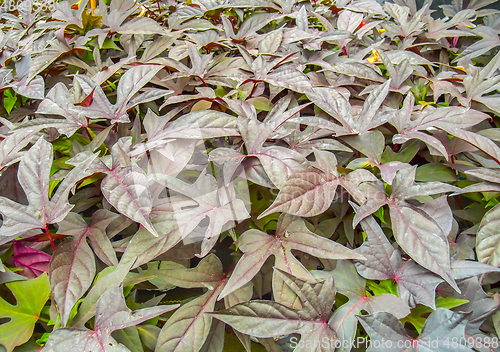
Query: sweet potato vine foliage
[243, 175]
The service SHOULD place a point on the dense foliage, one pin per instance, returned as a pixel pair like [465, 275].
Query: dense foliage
[242, 175]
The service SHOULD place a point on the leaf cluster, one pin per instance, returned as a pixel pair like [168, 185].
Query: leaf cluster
[239, 175]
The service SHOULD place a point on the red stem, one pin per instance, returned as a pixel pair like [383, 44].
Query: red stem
[47, 232]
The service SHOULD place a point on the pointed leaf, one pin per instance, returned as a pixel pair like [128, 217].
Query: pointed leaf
[71, 271]
[188, 328]
[442, 326]
[112, 314]
[291, 234]
[488, 238]
[12, 144]
[422, 238]
[127, 189]
[310, 192]
[270, 319]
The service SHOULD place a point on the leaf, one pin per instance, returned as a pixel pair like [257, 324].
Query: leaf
[221, 205]
[126, 187]
[130, 338]
[200, 125]
[71, 273]
[32, 261]
[207, 274]
[489, 41]
[490, 175]
[421, 237]
[11, 146]
[488, 238]
[33, 175]
[278, 162]
[30, 296]
[463, 269]
[59, 102]
[482, 143]
[356, 69]
[480, 305]
[130, 83]
[350, 284]
[113, 276]
[371, 144]
[270, 319]
[334, 104]
[310, 192]
[416, 232]
[149, 335]
[74, 225]
[440, 211]
[368, 115]
[112, 314]
[416, 285]
[191, 321]
[83, 168]
[349, 21]
[383, 261]
[215, 338]
[446, 118]
[271, 42]
[144, 247]
[442, 326]
[291, 233]
[192, 325]
[435, 172]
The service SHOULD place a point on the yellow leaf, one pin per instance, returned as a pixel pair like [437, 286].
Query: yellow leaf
[425, 103]
[374, 58]
[201, 105]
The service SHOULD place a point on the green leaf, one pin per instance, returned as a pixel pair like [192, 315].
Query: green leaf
[435, 172]
[405, 154]
[9, 100]
[42, 340]
[449, 302]
[419, 314]
[385, 286]
[380, 215]
[31, 296]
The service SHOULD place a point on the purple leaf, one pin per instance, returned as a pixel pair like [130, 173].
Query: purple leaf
[222, 209]
[192, 323]
[74, 225]
[270, 319]
[33, 175]
[488, 238]
[310, 192]
[126, 187]
[11, 146]
[32, 261]
[112, 314]
[416, 232]
[416, 285]
[72, 270]
[291, 234]
[442, 326]
[350, 284]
